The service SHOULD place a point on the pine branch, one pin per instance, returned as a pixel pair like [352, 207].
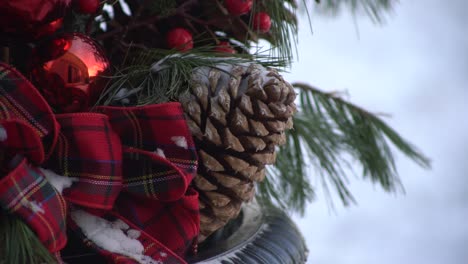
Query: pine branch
[284, 28]
[158, 76]
[372, 8]
[20, 244]
[330, 133]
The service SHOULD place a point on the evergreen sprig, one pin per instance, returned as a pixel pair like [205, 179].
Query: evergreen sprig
[333, 133]
[157, 76]
[284, 27]
[19, 244]
[374, 9]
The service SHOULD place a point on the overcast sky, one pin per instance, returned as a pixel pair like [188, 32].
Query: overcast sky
[414, 67]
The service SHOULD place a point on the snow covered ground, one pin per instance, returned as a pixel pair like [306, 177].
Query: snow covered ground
[414, 67]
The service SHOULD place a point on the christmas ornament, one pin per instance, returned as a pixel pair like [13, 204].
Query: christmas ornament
[238, 7]
[224, 47]
[261, 22]
[67, 72]
[180, 39]
[237, 115]
[86, 6]
[31, 18]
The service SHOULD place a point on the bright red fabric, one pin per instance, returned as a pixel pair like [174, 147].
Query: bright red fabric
[115, 153]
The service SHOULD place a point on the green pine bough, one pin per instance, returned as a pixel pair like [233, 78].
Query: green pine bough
[330, 132]
[19, 244]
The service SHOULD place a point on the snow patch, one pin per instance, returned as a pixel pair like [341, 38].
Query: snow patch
[119, 224]
[59, 182]
[160, 153]
[109, 236]
[123, 95]
[180, 141]
[33, 205]
[133, 233]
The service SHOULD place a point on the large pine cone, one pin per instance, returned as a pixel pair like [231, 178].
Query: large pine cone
[237, 115]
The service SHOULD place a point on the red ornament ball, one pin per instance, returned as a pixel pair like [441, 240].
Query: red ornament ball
[68, 71]
[238, 7]
[86, 6]
[261, 22]
[31, 19]
[224, 47]
[180, 39]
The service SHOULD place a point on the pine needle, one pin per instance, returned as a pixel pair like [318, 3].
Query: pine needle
[284, 27]
[374, 9]
[19, 244]
[329, 133]
[158, 76]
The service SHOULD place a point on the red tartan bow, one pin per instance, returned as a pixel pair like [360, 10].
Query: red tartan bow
[134, 164]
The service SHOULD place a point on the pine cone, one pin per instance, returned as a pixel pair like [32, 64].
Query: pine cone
[237, 115]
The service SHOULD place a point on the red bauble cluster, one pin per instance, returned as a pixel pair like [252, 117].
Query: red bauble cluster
[238, 7]
[86, 6]
[31, 19]
[68, 71]
[180, 39]
[224, 47]
[261, 22]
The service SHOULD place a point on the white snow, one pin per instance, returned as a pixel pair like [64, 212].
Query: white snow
[264, 75]
[3, 134]
[109, 236]
[180, 141]
[33, 205]
[133, 233]
[124, 93]
[36, 207]
[119, 224]
[160, 153]
[59, 182]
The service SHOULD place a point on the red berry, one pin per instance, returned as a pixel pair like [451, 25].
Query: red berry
[262, 22]
[180, 39]
[224, 47]
[238, 7]
[86, 6]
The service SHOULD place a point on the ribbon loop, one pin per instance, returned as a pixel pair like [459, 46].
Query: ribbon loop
[26, 193]
[20, 100]
[88, 149]
[133, 164]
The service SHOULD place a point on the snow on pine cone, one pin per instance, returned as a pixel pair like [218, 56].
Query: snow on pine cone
[237, 115]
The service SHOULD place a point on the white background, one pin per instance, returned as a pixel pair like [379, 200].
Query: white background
[414, 67]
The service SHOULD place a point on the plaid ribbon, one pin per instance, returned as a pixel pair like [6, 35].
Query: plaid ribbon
[132, 163]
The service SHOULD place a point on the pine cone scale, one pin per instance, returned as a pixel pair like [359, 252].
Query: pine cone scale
[237, 120]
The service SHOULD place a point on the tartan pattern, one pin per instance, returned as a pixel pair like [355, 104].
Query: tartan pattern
[175, 224]
[114, 153]
[152, 247]
[154, 127]
[88, 149]
[19, 99]
[26, 193]
[148, 175]
[22, 140]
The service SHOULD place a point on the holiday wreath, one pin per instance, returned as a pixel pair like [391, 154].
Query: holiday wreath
[136, 129]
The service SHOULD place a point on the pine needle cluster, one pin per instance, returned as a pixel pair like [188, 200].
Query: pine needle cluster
[333, 135]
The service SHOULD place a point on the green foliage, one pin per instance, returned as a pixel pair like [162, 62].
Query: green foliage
[20, 244]
[331, 133]
[158, 76]
[284, 27]
[374, 9]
